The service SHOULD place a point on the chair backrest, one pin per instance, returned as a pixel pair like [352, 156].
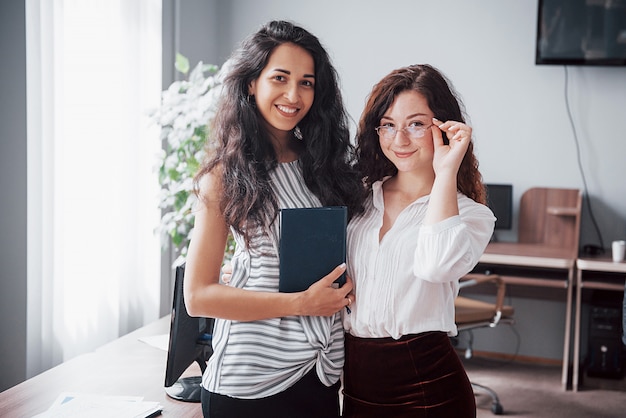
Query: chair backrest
[551, 216]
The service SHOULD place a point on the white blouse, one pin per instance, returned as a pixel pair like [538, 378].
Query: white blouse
[407, 282]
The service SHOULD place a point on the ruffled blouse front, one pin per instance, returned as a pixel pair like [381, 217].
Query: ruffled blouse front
[406, 283]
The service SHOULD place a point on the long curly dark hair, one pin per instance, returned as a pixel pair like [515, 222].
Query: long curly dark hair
[241, 142]
[444, 103]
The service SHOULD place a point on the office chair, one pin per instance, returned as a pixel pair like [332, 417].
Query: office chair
[471, 314]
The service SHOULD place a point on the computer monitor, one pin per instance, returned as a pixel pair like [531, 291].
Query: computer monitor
[190, 340]
[500, 201]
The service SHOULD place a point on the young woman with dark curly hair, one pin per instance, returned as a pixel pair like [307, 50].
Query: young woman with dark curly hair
[425, 225]
[282, 142]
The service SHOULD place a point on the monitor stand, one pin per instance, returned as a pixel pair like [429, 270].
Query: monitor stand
[186, 389]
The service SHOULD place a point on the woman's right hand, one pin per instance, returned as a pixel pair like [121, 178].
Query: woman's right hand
[227, 273]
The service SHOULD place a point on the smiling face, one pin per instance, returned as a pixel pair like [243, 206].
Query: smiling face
[409, 108]
[285, 89]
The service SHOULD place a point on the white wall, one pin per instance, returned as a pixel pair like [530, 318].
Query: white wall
[486, 47]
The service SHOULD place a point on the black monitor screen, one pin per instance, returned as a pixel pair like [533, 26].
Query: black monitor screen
[500, 201]
[581, 32]
[190, 341]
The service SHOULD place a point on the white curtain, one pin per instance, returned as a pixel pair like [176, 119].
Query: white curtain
[94, 73]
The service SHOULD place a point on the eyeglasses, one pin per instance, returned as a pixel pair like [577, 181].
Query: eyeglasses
[412, 131]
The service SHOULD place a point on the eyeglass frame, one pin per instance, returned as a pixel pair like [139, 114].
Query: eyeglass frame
[405, 130]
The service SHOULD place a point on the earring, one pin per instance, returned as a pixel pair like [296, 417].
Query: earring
[297, 133]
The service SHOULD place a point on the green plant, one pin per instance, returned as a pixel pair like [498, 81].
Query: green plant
[187, 107]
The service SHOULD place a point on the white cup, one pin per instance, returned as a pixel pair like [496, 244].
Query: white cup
[619, 250]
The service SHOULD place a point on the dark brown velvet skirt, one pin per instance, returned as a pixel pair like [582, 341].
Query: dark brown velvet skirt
[418, 375]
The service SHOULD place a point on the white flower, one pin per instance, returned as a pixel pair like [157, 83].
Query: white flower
[186, 106]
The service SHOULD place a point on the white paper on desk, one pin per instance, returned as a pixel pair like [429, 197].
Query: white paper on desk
[159, 341]
[66, 397]
[73, 405]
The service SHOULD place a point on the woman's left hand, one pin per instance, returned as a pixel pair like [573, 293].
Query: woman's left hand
[449, 157]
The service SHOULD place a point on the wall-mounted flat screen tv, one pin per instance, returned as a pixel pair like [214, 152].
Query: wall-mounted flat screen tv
[581, 32]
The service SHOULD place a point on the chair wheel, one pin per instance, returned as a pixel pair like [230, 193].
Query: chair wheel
[496, 408]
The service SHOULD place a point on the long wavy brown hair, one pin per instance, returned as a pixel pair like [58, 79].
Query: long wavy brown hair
[240, 144]
[445, 105]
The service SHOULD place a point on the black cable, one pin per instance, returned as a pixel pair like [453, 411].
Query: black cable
[580, 166]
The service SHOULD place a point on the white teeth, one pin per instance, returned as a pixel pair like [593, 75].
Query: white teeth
[287, 109]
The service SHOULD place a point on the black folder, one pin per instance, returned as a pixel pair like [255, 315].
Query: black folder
[312, 244]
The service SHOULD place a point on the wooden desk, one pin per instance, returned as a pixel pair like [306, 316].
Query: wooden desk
[551, 267]
[596, 264]
[125, 366]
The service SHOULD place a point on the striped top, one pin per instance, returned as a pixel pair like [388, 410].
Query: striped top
[262, 358]
[406, 283]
